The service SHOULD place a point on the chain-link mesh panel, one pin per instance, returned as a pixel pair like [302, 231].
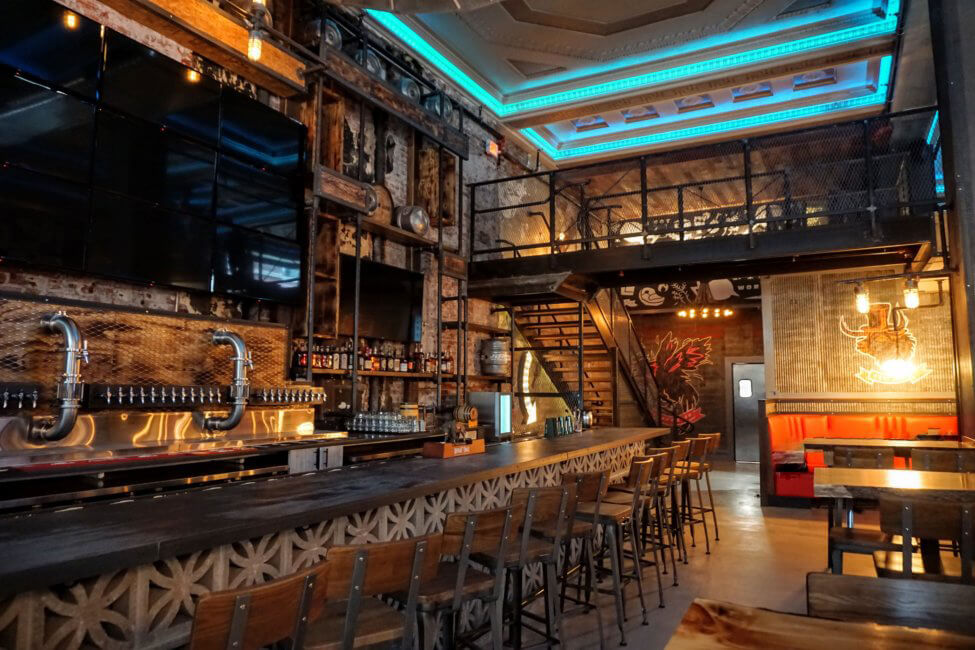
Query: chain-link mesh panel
[132, 348]
[510, 213]
[839, 174]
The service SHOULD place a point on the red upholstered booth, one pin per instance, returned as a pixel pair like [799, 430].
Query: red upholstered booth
[787, 431]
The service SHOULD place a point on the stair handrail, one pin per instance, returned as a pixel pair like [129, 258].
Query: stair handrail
[635, 360]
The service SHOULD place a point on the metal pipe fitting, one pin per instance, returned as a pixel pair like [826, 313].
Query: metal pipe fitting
[70, 387]
[239, 388]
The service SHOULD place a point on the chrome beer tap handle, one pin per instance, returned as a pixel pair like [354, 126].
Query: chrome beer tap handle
[142, 394]
[20, 400]
[152, 394]
[33, 397]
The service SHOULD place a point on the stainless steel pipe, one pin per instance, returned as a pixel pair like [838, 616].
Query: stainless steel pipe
[239, 388]
[70, 387]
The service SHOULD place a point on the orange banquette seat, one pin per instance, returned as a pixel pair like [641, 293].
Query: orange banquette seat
[787, 431]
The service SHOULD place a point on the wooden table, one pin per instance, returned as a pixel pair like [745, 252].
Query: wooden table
[714, 624]
[847, 483]
[901, 448]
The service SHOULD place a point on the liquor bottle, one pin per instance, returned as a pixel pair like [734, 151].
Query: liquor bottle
[404, 361]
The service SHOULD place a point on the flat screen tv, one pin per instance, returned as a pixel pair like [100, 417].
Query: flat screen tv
[115, 161]
[390, 301]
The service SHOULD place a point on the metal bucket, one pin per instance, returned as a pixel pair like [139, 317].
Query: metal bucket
[495, 357]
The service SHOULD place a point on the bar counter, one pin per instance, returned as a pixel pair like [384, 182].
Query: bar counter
[162, 549]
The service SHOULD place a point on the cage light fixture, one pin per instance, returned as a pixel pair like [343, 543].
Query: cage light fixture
[861, 299]
[259, 18]
[912, 298]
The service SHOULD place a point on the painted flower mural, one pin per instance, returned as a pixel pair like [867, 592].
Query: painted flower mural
[676, 365]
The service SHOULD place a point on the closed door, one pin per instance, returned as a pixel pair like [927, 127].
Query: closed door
[748, 386]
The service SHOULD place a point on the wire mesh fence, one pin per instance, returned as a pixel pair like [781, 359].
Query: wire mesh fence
[848, 174]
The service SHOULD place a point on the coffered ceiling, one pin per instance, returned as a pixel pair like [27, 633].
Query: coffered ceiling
[580, 80]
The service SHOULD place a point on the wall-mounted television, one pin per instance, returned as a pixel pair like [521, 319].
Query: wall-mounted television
[116, 161]
[390, 301]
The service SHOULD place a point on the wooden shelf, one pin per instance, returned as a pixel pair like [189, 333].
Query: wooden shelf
[414, 376]
[325, 276]
[395, 234]
[491, 378]
[477, 327]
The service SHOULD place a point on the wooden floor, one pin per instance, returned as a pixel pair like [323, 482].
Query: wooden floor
[761, 560]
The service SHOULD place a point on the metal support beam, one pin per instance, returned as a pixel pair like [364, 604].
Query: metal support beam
[954, 63]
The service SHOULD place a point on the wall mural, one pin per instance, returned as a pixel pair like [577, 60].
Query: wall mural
[663, 295]
[890, 346]
[676, 365]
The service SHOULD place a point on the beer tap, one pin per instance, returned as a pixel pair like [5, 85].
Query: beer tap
[142, 394]
[152, 394]
[6, 395]
[34, 397]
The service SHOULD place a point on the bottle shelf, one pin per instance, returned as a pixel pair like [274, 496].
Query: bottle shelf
[416, 376]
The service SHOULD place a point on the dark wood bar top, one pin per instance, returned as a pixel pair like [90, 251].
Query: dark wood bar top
[47, 548]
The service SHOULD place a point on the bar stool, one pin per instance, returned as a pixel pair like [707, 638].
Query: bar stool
[619, 522]
[590, 487]
[533, 509]
[697, 457]
[647, 494]
[715, 439]
[458, 582]
[350, 618]
[253, 617]
[676, 478]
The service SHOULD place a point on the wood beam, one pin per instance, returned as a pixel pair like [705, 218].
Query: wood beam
[214, 34]
[702, 87]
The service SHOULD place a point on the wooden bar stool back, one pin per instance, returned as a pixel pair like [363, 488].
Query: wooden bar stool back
[930, 521]
[466, 534]
[253, 617]
[697, 459]
[715, 439]
[943, 460]
[536, 513]
[590, 488]
[352, 619]
[620, 522]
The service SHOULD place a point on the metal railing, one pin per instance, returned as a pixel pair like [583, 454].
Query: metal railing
[615, 325]
[850, 173]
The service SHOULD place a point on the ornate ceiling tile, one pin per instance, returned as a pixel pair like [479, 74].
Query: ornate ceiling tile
[497, 29]
[563, 15]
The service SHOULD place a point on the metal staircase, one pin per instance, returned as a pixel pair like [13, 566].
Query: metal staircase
[587, 347]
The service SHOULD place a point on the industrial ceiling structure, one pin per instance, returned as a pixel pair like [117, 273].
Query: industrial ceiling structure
[581, 81]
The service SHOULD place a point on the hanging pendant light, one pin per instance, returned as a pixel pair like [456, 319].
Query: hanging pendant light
[260, 18]
[912, 298]
[861, 298]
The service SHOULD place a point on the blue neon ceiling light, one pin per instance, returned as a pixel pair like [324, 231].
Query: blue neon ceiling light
[879, 96]
[934, 125]
[414, 41]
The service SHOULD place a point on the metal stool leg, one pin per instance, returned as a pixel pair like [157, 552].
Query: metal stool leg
[587, 548]
[714, 513]
[612, 542]
[638, 567]
[704, 516]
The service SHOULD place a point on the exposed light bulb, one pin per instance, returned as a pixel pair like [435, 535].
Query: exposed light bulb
[862, 299]
[192, 76]
[898, 369]
[254, 42]
[728, 312]
[561, 236]
[682, 314]
[912, 299]
[71, 20]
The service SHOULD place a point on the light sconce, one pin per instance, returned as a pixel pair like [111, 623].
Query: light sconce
[71, 20]
[260, 19]
[861, 299]
[912, 299]
[192, 76]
